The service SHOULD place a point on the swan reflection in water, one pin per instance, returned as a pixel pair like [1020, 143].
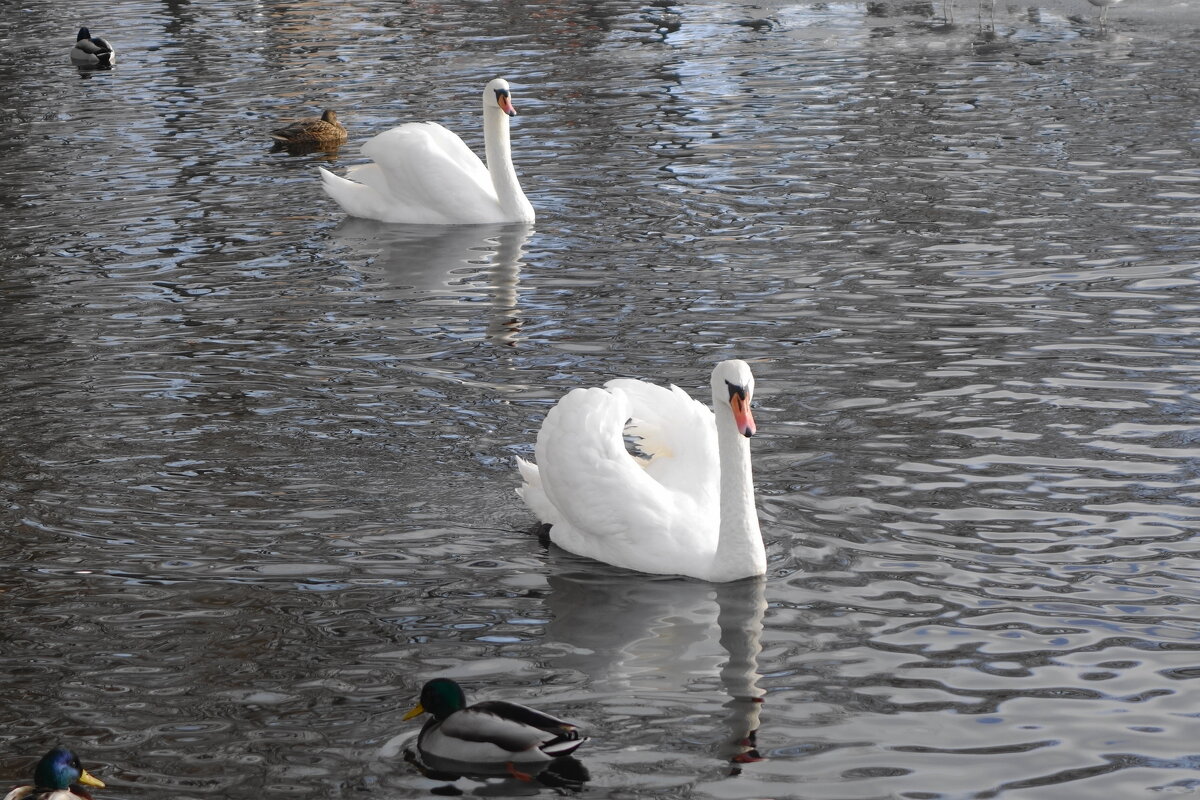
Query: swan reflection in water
[447, 261]
[636, 635]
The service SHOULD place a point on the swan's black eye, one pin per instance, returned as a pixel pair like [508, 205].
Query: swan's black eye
[735, 390]
[501, 94]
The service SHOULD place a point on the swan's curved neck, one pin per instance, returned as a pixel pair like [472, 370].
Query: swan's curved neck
[740, 550]
[498, 151]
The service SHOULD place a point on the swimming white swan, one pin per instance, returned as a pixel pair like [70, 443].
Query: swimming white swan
[687, 508]
[425, 174]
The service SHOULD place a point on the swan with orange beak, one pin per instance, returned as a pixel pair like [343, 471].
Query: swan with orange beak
[682, 504]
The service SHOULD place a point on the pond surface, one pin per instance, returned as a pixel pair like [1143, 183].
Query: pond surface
[256, 458]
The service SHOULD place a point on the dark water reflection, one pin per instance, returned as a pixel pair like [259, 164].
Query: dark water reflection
[256, 459]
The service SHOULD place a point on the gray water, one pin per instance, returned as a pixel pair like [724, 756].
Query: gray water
[256, 458]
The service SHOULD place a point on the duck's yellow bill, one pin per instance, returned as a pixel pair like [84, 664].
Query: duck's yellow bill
[416, 712]
[87, 779]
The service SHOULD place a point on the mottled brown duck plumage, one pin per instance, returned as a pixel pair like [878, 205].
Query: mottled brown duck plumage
[324, 131]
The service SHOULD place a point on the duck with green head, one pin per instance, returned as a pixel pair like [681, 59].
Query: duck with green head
[58, 776]
[494, 731]
[92, 51]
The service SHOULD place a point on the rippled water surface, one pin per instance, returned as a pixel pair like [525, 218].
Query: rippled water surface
[256, 458]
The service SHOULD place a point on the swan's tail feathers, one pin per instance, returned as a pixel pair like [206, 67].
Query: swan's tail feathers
[356, 199]
[530, 478]
[534, 495]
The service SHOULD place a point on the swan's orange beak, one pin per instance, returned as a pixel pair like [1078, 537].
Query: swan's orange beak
[505, 103]
[741, 414]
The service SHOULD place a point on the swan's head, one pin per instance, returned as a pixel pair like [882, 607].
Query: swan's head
[496, 95]
[733, 387]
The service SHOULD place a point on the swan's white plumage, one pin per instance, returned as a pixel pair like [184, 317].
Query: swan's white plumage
[659, 515]
[423, 173]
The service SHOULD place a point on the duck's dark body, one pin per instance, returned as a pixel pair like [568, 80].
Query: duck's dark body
[92, 50]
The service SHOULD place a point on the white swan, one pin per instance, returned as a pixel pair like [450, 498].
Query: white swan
[425, 174]
[687, 509]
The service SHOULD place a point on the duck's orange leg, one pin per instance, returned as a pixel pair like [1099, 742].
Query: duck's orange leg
[511, 769]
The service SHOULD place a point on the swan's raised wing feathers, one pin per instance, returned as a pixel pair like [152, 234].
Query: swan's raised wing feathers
[586, 471]
[605, 504]
[678, 434]
[429, 169]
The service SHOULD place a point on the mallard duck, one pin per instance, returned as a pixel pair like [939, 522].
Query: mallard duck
[53, 778]
[92, 50]
[494, 731]
[323, 132]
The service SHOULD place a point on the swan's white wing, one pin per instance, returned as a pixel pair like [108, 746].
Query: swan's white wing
[606, 505]
[425, 167]
[360, 199]
[678, 433]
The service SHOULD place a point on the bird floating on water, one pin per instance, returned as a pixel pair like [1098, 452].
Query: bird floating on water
[312, 132]
[92, 50]
[683, 506]
[57, 777]
[425, 174]
[491, 732]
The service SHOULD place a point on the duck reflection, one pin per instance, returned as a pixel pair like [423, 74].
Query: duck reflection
[441, 259]
[328, 152]
[566, 773]
[636, 633]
